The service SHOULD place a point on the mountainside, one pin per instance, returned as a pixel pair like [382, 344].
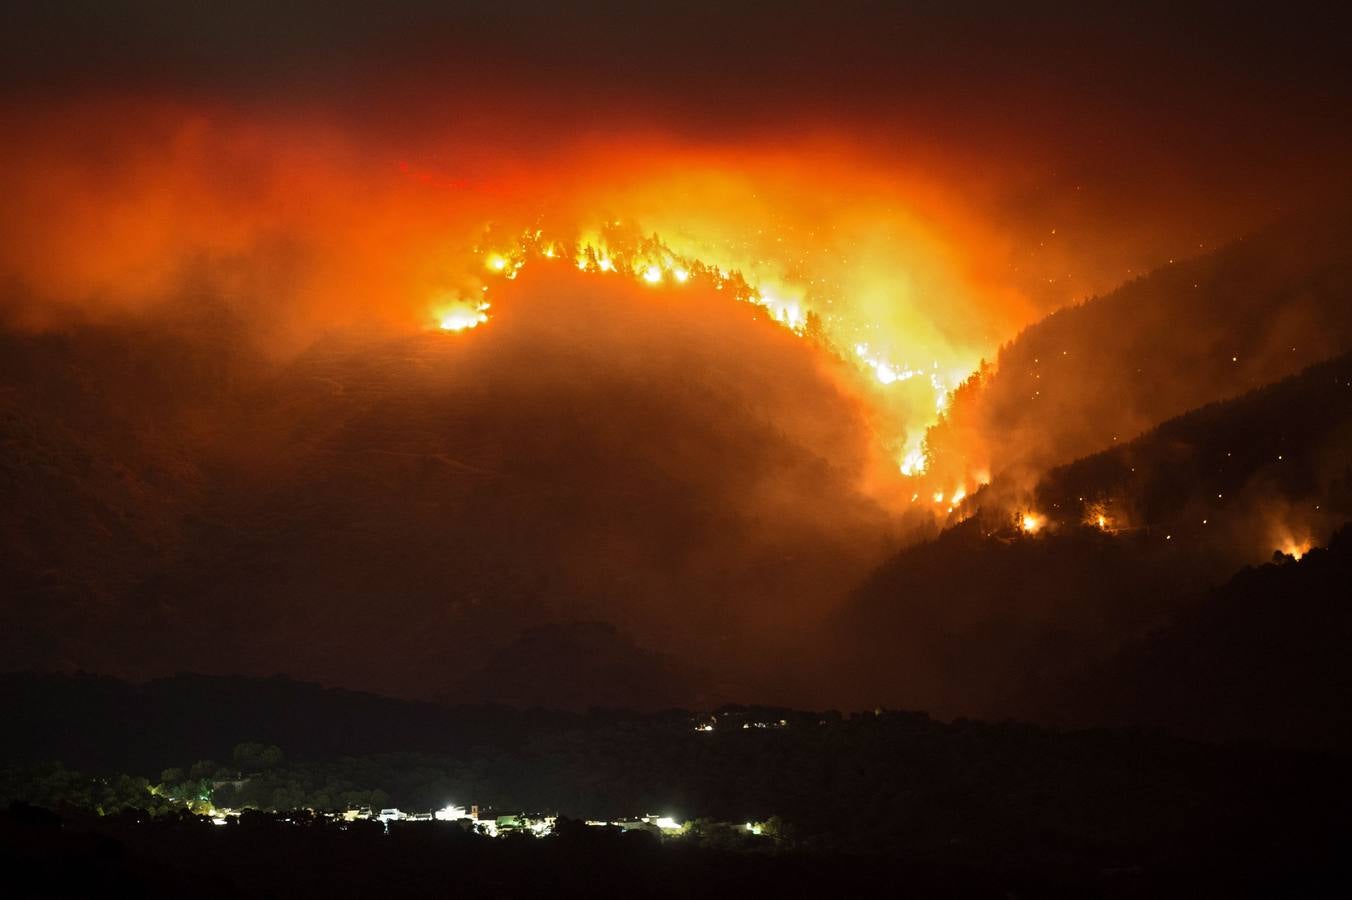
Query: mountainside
[390, 512]
[1193, 332]
[101, 468]
[415, 514]
[582, 665]
[105, 724]
[993, 612]
[1264, 657]
[1269, 470]
[966, 624]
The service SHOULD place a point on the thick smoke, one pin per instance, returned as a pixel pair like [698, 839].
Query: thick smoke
[387, 510]
[1096, 375]
[235, 440]
[301, 228]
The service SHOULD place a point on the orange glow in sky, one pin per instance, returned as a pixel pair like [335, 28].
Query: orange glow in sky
[308, 228]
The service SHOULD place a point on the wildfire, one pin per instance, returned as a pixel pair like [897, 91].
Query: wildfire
[1031, 522]
[1294, 539]
[881, 266]
[461, 316]
[1096, 516]
[885, 371]
[940, 393]
[913, 463]
[786, 313]
[651, 262]
[1295, 547]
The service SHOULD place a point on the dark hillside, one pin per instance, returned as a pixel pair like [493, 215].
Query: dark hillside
[987, 614]
[1262, 658]
[1193, 332]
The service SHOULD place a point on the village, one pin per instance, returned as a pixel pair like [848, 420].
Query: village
[492, 823]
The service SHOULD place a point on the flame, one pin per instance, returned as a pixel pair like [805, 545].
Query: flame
[786, 313]
[1294, 539]
[461, 316]
[885, 371]
[1296, 550]
[1096, 516]
[827, 240]
[913, 463]
[1293, 545]
[650, 261]
[1031, 522]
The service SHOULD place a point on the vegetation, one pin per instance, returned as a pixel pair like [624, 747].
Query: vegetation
[982, 618]
[881, 783]
[966, 807]
[1193, 332]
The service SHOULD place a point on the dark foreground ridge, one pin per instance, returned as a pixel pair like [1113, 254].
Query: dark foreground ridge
[53, 856]
[835, 802]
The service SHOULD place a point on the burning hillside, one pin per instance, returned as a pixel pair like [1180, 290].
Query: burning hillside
[280, 378]
[1094, 376]
[1008, 604]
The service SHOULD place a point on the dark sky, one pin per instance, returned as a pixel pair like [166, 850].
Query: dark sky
[974, 68]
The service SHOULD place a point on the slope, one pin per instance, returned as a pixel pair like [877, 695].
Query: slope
[1193, 332]
[992, 612]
